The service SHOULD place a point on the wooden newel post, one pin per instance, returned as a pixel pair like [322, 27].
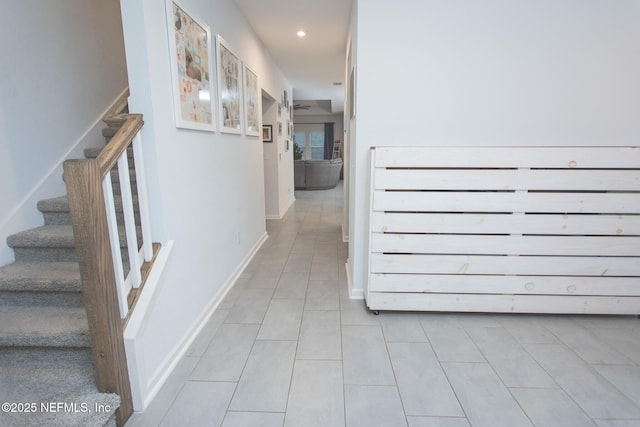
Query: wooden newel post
[93, 249]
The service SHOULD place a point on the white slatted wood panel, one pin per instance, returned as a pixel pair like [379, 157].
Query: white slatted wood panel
[507, 179]
[460, 201]
[509, 157]
[506, 245]
[559, 224]
[505, 229]
[504, 303]
[487, 284]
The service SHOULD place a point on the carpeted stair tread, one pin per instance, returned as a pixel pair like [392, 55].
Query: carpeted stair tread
[53, 236]
[42, 277]
[39, 372]
[52, 375]
[54, 204]
[46, 236]
[92, 152]
[109, 131]
[61, 204]
[55, 211]
[41, 326]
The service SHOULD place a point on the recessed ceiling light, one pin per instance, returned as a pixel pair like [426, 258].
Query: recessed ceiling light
[301, 33]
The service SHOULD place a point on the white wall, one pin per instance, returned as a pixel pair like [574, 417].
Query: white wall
[497, 72]
[63, 65]
[206, 189]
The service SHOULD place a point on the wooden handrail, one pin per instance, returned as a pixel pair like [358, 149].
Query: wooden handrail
[88, 210]
[119, 143]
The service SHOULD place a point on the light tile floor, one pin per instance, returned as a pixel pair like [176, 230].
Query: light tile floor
[287, 347]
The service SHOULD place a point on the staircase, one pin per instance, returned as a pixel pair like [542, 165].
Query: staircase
[46, 366]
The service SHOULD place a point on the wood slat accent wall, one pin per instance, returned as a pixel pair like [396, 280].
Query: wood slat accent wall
[505, 229]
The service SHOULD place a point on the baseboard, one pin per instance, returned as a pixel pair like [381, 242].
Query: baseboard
[283, 212]
[353, 293]
[169, 363]
[286, 209]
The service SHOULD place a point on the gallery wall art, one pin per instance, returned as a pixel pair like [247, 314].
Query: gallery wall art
[229, 88]
[251, 102]
[191, 69]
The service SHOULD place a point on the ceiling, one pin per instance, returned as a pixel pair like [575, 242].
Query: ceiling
[313, 63]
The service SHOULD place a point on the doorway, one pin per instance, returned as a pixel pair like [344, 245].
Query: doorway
[278, 162]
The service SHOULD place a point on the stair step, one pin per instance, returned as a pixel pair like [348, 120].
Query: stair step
[51, 243]
[56, 210]
[92, 152]
[45, 375]
[62, 368]
[109, 131]
[42, 326]
[44, 277]
[45, 283]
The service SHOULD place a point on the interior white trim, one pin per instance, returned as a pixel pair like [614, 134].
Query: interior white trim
[345, 236]
[284, 211]
[353, 293]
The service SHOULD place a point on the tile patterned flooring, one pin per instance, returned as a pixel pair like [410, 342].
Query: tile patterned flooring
[287, 347]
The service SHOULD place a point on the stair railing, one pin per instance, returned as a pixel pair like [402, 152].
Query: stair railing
[109, 296]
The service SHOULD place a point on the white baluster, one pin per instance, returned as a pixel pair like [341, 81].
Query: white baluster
[129, 220]
[143, 201]
[121, 285]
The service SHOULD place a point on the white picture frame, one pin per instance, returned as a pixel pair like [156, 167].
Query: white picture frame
[230, 100]
[192, 71]
[252, 101]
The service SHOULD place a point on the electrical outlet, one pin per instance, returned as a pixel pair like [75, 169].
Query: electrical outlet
[238, 235]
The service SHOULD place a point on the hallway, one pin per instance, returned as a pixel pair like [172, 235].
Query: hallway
[287, 347]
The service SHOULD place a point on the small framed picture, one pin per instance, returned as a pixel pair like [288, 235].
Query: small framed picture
[267, 135]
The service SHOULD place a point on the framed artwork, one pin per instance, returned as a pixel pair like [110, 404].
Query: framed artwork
[267, 135]
[251, 102]
[229, 86]
[191, 68]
